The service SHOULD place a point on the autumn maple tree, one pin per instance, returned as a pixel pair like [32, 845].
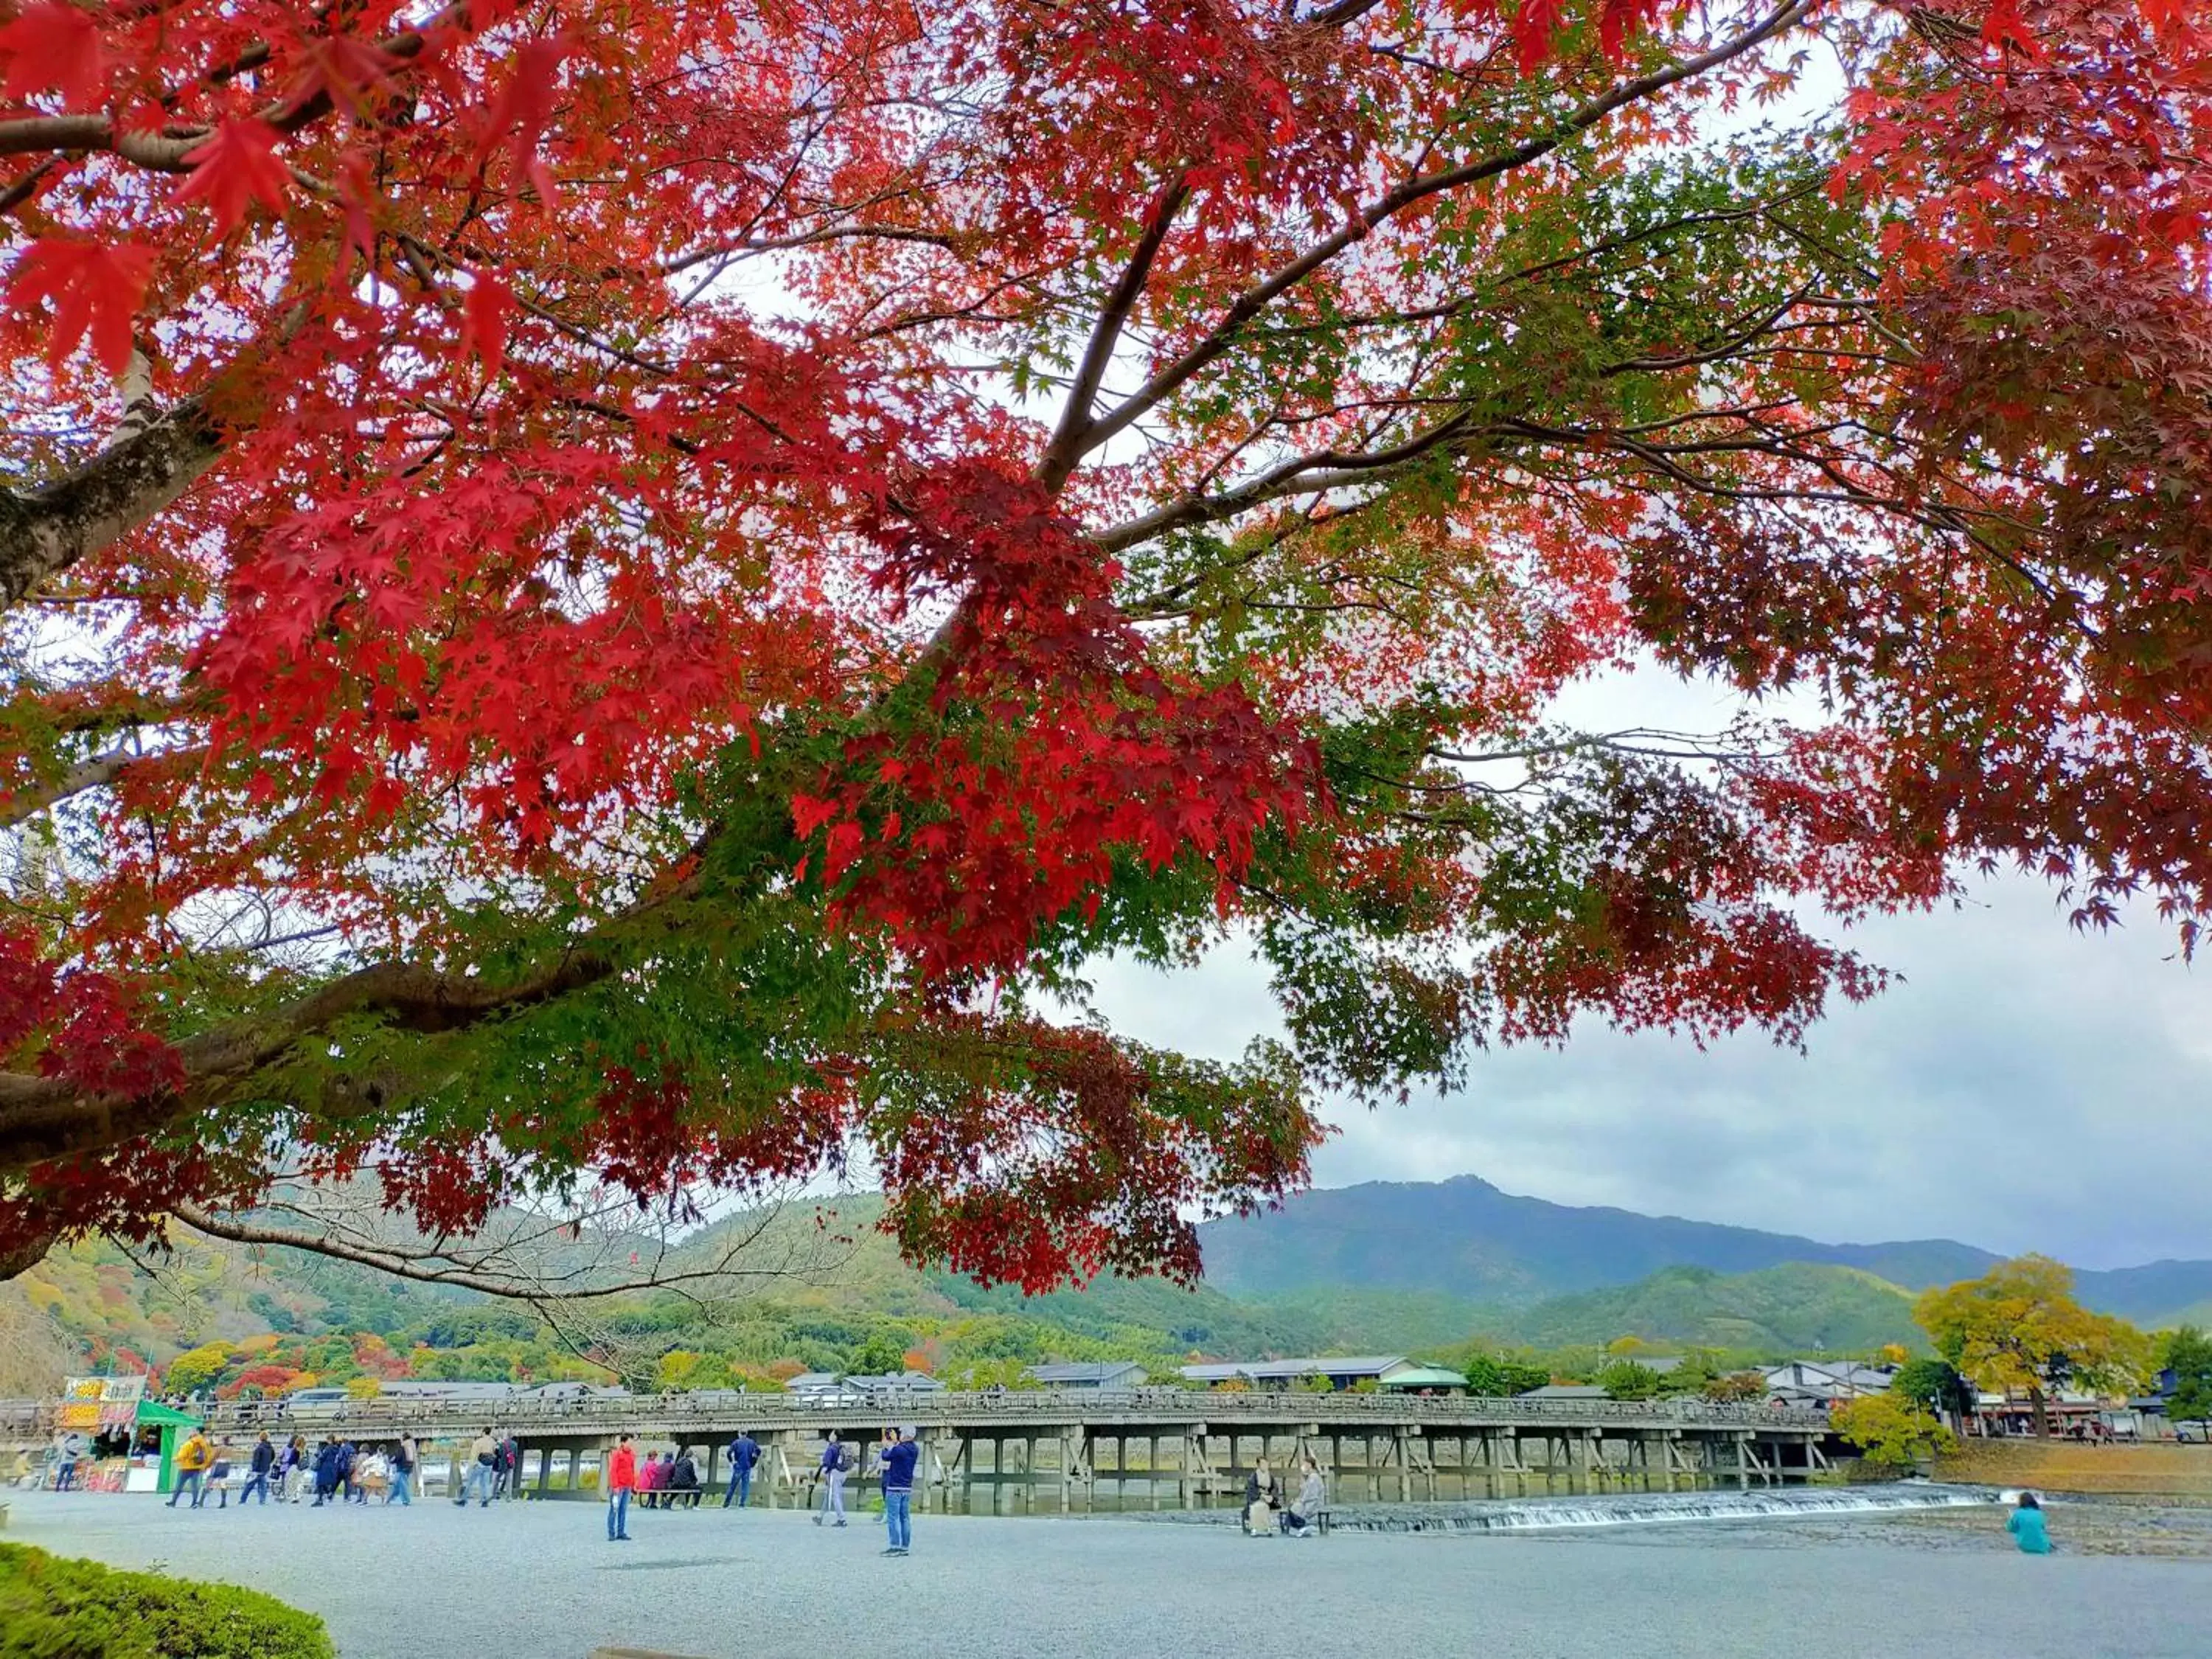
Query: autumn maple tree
[630, 593]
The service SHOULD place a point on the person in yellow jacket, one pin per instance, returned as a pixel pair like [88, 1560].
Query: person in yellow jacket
[194, 1458]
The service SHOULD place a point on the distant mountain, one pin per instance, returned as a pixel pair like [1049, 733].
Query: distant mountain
[1465, 1238]
[1798, 1307]
[2160, 1293]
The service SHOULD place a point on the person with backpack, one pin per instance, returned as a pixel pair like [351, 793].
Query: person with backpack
[513, 1448]
[403, 1472]
[836, 1464]
[744, 1452]
[895, 1462]
[194, 1458]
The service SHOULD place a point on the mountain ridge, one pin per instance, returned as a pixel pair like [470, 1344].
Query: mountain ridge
[1466, 1238]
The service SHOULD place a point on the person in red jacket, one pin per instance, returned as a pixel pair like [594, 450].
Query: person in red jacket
[622, 1481]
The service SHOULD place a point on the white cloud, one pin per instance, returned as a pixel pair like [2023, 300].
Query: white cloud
[2025, 1087]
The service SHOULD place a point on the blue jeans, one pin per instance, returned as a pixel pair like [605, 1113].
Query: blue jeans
[477, 1480]
[618, 1515]
[257, 1480]
[187, 1478]
[399, 1494]
[741, 1488]
[896, 1518]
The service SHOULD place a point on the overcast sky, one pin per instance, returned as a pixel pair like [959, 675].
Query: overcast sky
[2025, 1087]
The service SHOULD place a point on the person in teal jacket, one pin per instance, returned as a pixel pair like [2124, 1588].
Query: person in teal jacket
[2027, 1526]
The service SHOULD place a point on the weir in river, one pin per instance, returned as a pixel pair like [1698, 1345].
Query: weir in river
[1631, 1509]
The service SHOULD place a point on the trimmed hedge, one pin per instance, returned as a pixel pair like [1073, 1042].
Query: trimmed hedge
[55, 1608]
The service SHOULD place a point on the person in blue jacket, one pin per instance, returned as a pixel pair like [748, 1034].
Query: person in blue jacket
[744, 1452]
[896, 1463]
[2026, 1524]
[837, 1463]
[327, 1475]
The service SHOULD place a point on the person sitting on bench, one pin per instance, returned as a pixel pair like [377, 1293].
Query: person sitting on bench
[1304, 1514]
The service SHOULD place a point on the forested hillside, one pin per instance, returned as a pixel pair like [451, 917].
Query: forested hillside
[1799, 1307]
[232, 1319]
[1466, 1240]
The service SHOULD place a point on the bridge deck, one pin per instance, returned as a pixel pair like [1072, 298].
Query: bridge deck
[1168, 1409]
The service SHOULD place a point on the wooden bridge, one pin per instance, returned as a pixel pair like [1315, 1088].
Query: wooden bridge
[1162, 1447]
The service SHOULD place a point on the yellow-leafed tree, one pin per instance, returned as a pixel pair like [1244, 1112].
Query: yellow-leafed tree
[2018, 1327]
[1892, 1430]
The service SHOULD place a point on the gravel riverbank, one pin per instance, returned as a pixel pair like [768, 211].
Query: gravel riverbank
[539, 1581]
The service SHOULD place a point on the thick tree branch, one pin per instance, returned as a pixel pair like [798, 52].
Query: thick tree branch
[1316, 473]
[1068, 442]
[46, 531]
[502, 1267]
[165, 151]
[51, 1117]
[1256, 299]
[93, 773]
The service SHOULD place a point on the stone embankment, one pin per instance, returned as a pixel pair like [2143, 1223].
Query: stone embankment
[2160, 1471]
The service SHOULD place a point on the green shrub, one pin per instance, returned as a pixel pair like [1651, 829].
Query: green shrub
[54, 1608]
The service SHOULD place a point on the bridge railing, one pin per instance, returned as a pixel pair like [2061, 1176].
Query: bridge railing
[731, 1410]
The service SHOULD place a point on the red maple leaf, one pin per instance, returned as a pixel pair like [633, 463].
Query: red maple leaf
[2004, 26]
[237, 167]
[484, 315]
[1618, 19]
[53, 47]
[1536, 25]
[95, 289]
[341, 69]
[524, 107]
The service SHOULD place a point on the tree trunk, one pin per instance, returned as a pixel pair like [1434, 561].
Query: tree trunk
[2042, 1416]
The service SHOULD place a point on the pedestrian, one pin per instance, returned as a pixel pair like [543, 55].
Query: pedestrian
[292, 1471]
[327, 1479]
[1262, 1495]
[513, 1448]
[348, 1467]
[744, 1452]
[404, 1459]
[218, 1477]
[2026, 1524]
[264, 1461]
[1313, 1496]
[65, 1461]
[482, 1451]
[896, 1463]
[836, 1464]
[684, 1481]
[621, 1480]
[373, 1478]
[194, 1458]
